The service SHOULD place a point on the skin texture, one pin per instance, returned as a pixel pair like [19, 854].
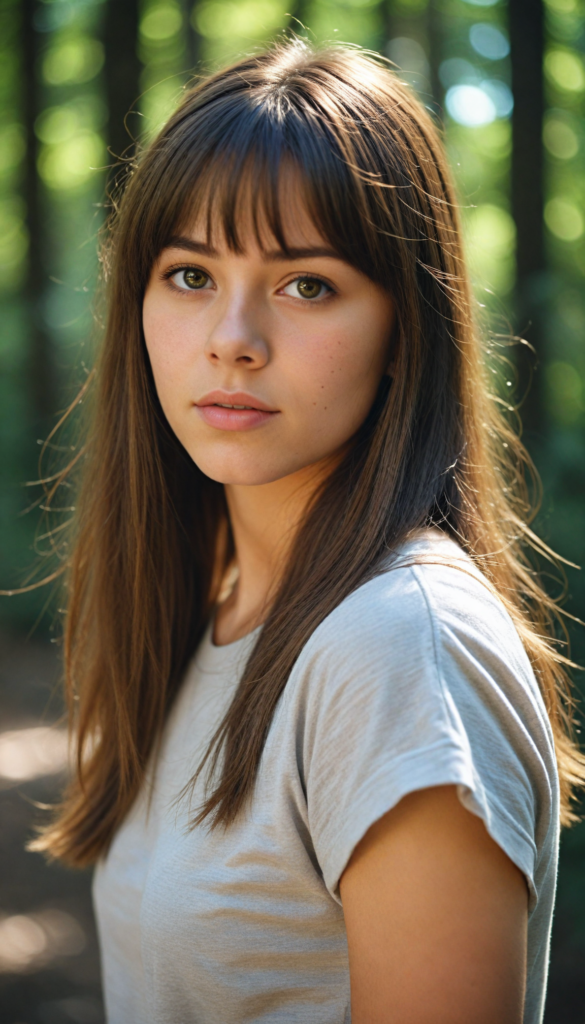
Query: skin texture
[435, 911]
[436, 918]
[317, 361]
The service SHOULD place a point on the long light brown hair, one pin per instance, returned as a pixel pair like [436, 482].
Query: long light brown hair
[142, 564]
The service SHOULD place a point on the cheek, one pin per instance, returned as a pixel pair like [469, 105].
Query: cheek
[343, 369]
[168, 344]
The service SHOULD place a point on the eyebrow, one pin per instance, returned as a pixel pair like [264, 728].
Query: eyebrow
[272, 256]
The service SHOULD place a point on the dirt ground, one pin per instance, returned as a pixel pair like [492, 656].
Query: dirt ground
[60, 983]
[49, 905]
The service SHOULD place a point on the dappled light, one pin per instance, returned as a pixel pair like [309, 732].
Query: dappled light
[31, 941]
[29, 753]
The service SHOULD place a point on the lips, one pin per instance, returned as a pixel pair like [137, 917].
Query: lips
[234, 410]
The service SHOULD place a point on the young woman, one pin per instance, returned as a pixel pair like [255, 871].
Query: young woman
[323, 745]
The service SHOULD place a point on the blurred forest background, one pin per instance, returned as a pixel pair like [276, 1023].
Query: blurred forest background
[507, 82]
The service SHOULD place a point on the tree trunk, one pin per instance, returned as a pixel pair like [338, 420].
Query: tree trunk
[122, 78]
[300, 17]
[424, 29]
[193, 41]
[434, 36]
[526, 25]
[41, 375]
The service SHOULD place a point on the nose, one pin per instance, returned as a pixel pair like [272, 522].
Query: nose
[236, 338]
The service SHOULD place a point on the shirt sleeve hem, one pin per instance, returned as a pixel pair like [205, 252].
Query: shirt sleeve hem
[438, 765]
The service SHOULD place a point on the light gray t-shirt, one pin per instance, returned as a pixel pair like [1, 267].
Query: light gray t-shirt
[417, 679]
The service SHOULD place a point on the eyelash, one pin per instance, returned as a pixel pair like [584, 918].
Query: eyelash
[313, 277]
[171, 271]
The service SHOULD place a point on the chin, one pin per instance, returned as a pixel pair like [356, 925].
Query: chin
[243, 472]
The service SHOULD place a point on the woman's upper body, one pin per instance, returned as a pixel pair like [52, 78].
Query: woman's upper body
[291, 379]
[418, 679]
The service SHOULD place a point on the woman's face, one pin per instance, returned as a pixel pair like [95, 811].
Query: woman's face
[300, 341]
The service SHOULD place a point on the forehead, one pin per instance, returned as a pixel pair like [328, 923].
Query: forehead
[250, 218]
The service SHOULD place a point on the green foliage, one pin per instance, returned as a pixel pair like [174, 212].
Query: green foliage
[230, 27]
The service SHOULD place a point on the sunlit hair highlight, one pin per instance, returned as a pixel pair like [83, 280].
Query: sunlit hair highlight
[151, 538]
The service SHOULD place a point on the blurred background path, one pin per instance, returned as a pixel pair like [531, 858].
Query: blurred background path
[49, 968]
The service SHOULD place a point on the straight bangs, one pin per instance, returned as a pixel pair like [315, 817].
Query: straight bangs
[242, 183]
[231, 162]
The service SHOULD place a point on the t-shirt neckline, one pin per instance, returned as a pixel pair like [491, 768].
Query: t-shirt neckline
[234, 644]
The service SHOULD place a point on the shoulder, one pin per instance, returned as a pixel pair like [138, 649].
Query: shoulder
[428, 595]
[419, 679]
[427, 640]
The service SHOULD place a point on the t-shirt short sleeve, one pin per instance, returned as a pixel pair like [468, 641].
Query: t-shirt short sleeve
[419, 679]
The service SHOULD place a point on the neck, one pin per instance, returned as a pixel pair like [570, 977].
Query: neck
[264, 519]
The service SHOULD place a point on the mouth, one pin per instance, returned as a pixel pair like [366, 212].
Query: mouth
[224, 405]
[235, 411]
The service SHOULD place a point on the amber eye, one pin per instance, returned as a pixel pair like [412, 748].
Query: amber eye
[194, 278]
[309, 287]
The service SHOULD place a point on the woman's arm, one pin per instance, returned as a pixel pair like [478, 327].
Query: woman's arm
[436, 917]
